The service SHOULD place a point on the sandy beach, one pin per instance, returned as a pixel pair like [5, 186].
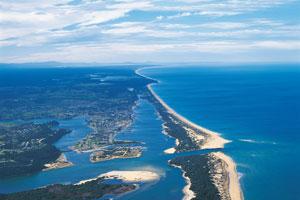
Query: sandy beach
[61, 162]
[213, 139]
[127, 176]
[85, 181]
[170, 150]
[132, 176]
[234, 188]
[188, 194]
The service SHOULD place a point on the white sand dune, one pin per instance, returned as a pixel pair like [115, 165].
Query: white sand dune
[127, 176]
[132, 176]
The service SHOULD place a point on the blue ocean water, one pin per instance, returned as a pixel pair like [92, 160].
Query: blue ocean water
[257, 107]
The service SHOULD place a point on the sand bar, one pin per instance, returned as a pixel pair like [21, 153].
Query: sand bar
[170, 150]
[127, 176]
[132, 176]
[213, 141]
[61, 162]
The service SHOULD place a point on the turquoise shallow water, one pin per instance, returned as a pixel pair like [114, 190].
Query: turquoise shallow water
[257, 107]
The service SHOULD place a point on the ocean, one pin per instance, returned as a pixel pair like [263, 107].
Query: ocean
[257, 107]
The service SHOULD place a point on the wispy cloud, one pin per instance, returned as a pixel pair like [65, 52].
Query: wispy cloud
[122, 29]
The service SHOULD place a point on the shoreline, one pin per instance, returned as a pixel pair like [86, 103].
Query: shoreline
[60, 162]
[213, 141]
[129, 176]
[188, 193]
[234, 188]
[209, 176]
[132, 176]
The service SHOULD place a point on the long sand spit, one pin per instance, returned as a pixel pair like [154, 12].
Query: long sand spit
[213, 141]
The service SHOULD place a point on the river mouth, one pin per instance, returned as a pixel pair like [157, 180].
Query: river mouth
[146, 128]
[257, 108]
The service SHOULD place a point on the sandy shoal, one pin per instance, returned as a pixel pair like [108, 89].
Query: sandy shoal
[170, 150]
[132, 176]
[127, 176]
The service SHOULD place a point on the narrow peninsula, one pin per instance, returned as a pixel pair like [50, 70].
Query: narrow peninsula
[189, 136]
[208, 176]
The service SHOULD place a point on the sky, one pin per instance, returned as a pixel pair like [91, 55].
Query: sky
[117, 31]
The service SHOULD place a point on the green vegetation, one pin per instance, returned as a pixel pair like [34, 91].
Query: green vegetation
[197, 168]
[26, 148]
[175, 128]
[105, 97]
[88, 191]
[117, 152]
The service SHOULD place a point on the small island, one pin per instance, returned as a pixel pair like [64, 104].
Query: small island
[118, 152]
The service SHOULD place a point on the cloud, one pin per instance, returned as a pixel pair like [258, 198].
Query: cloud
[216, 8]
[65, 29]
[184, 14]
[125, 52]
